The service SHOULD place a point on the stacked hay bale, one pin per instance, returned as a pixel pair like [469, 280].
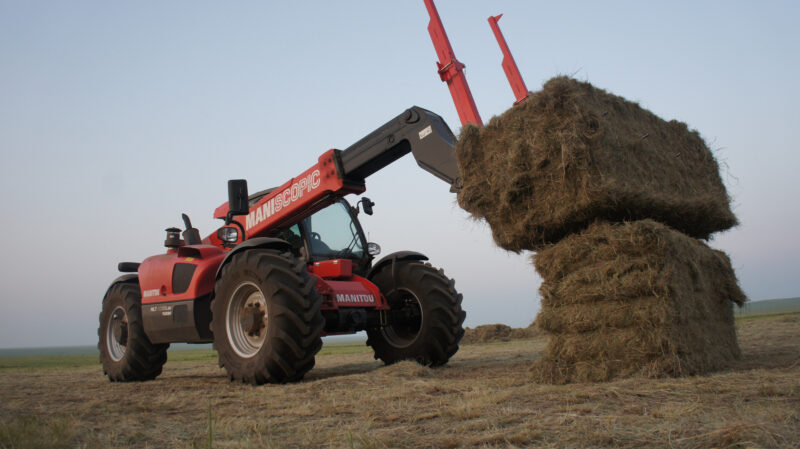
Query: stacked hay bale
[614, 200]
[636, 298]
[490, 333]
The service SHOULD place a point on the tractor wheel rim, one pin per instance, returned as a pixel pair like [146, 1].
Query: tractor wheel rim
[246, 321]
[405, 336]
[117, 325]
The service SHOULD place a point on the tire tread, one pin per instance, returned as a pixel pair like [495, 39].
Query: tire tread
[295, 320]
[142, 360]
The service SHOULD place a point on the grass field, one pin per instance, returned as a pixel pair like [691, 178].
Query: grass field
[769, 307]
[483, 398]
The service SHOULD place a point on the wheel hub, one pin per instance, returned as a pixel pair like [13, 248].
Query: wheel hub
[246, 322]
[407, 316]
[117, 334]
[121, 334]
[253, 321]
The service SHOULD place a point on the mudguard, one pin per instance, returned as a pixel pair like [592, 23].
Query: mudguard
[258, 242]
[394, 257]
[130, 277]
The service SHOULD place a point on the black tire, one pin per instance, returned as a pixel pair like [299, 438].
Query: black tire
[125, 351]
[266, 317]
[432, 335]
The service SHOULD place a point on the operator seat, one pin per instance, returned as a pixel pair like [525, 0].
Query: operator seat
[318, 246]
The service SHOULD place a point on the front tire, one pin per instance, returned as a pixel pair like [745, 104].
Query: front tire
[266, 317]
[125, 351]
[430, 324]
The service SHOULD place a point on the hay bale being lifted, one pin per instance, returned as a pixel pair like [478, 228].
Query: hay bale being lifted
[572, 153]
[637, 298]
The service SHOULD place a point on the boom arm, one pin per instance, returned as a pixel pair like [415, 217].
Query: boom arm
[416, 130]
[338, 173]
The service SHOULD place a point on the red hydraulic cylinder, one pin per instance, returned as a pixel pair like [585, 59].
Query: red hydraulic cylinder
[509, 65]
[451, 70]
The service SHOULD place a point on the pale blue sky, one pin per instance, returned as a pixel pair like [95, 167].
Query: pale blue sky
[115, 117]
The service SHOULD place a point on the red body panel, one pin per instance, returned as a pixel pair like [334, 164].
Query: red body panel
[354, 292]
[335, 280]
[155, 273]
[300, 197]
[335, 268]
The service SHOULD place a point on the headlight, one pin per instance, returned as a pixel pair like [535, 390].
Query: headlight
[228, 234]
[373, 249]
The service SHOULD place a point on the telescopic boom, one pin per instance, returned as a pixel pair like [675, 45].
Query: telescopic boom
[338, 173]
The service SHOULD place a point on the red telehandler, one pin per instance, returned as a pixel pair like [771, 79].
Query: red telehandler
[291, 264]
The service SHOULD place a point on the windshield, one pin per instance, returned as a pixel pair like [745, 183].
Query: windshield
[332, 233]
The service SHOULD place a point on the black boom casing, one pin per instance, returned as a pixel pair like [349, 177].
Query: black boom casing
[417, 131]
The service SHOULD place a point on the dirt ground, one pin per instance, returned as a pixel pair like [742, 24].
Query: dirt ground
[483, 398]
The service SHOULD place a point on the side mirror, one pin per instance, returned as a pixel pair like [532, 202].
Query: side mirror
[238, 203]
[367, 204]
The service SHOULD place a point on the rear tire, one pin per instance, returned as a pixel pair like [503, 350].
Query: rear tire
[266, 317]
[125, 351]
[431, 337]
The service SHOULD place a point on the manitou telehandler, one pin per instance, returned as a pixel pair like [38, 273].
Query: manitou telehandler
[291, 264]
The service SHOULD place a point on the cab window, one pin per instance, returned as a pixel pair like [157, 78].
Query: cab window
[332, 234]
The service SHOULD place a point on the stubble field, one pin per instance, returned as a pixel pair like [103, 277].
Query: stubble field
[482, 398]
